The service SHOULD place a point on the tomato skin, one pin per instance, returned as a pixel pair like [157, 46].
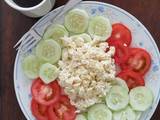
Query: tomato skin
[132, 78]
[139, 60]
[45, 94]
[62, 110]
[121, 33]
[121, 51]
[39, 111]
[62, 91]
[70, 115]
[51, 114]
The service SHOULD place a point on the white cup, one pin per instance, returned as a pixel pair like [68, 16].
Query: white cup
[36, 11]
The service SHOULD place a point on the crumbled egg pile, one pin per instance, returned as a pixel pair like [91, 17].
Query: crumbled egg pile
[85, 70]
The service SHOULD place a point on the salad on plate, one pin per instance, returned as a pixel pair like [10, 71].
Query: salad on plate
[87, 69]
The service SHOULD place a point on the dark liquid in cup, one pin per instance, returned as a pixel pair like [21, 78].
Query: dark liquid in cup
[27, 3]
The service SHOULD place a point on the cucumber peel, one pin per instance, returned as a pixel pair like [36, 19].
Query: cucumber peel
[99, 112]
[49, 51]
[48, 73]
[141, 98]
[85, 37]
[81, 117]
[118, 98]
[31, 65]
[125, 114]
[120, 82]
[76, 21]
[100, 28]
[55, 32]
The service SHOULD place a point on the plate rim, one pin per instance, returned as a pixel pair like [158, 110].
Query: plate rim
[89, 2]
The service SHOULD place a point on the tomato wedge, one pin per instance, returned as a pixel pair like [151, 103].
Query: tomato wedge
[62, 110]
[38, 110]
[121, 51]
[121, 33]
[132, 78]
[45, 94]
[62, 91]
[139, 60]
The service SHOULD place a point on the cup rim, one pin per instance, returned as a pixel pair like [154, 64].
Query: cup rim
[15, 6]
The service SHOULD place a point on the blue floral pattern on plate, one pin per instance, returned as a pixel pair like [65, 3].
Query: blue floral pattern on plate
[141, 38]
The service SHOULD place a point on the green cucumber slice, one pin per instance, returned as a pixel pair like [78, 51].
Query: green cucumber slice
[48, 73]
[100, 28]
[141, 98]
[118, 81]
[49, 51]
[118, 98]
[55, 32]
[85, 114]
[86, 37]
[99, 112]
[126, 114]
[138, 115]
[76, 21]
[31, 66]
[81, 117]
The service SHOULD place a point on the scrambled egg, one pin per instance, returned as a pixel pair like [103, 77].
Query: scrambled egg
[85, 71]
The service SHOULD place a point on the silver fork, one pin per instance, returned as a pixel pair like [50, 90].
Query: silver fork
[32, 37]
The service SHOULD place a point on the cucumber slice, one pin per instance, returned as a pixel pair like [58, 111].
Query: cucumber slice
[49, 51]
[138, 115]
[56, 32]
[31, 66]
[126, 114]
[85, 37]
[99, 112]
[118, 81]
[118, 98]
[100, 28]
[81, 117]
[48, 72]
[85, 114]
[141, 98]
[76, 21]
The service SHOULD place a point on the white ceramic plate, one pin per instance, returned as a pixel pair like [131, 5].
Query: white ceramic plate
[141, 38]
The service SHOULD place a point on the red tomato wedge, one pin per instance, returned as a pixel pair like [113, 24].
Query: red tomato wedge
[62, 110]
[45, 94]
[121, 51]
[121, 33]
[38, 110]
[139, 60]
[62, 91]
[132, 78]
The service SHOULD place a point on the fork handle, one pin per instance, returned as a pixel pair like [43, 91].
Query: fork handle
[68, 6]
